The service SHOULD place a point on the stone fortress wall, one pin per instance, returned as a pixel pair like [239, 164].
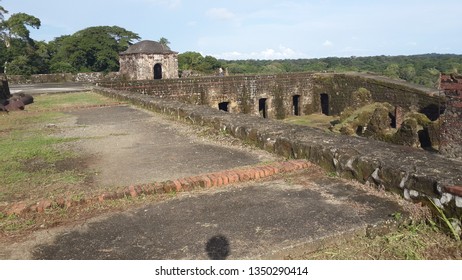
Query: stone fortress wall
[415, 174]
[243, 93]
[284, 95]
[451, 128]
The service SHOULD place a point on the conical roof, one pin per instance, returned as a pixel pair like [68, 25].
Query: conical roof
[148, 47]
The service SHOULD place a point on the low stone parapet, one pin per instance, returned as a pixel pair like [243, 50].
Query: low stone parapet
[90, 77]
[415, 174]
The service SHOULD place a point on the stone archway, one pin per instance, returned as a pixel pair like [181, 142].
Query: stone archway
[158, 71]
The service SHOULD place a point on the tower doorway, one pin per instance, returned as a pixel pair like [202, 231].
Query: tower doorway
[158, 71]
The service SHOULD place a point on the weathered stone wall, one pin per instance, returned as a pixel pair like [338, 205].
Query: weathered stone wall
[244, 92]
[451, 126]
[416, 175]
[340, 87]
[91, 77]
[140, 66]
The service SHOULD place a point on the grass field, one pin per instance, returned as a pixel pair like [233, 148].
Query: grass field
[33, 163]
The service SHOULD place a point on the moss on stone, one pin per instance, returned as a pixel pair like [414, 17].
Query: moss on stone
[375, 115]
[420, 118]
[379, 123]
[361, 97]
[407, 135]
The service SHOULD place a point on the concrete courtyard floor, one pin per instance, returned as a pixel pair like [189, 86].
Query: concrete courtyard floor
[271, 218]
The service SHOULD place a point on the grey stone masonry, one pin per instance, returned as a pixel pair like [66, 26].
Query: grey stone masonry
[416, 175]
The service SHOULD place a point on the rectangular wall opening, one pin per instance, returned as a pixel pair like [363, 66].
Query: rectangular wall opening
[262, 107]
[296, 105]
[223, 106]
[325, 104]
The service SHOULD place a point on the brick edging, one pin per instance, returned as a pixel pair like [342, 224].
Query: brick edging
[73, 108]
[210, 180]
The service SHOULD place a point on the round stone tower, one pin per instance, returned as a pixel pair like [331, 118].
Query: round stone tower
[147, 60]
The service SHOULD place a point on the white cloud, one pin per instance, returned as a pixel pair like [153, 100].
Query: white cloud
[327, 44]
[280, 53]
[220, 14]
[171, 4]
[231, 55]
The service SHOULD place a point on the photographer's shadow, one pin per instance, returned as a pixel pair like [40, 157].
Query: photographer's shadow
[218, 248]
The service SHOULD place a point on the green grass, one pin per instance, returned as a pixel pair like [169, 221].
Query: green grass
[449, 223]
[56, 101]
[314, 120]
[415, 241]
[12, 223]
[30, 153]
[28, 162]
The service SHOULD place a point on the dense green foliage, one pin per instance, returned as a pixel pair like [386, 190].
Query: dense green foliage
[194, 61]
[419, 69]
[96, 49]
[17, 50]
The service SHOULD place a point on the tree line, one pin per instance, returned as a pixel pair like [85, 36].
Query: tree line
[419, 69]
[96, 49]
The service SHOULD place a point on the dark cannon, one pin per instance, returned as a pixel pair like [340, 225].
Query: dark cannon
[16, 102]
[13, 102]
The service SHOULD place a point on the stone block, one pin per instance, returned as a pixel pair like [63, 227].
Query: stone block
[18, 209]
[44, 205]
[455, 190]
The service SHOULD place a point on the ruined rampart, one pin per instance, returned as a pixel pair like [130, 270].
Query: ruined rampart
[451, 127]
[340, 87]
[283, 95]
[90, 77]
[416, 175]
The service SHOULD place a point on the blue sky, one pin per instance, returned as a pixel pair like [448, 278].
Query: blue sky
[257, 29]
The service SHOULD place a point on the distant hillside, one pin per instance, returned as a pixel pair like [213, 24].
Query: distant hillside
[419, 69]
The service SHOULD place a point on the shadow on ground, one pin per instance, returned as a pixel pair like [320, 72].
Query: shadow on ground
[259, 220]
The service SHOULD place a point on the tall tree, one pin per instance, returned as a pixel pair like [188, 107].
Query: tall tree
[16, 28]
[93, 49]
[164, 42]
[2, 12]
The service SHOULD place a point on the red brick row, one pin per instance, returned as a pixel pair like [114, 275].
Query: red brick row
[455, 190]
[216, 179]
[80, 107]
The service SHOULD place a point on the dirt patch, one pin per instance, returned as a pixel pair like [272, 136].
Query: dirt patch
[132, 146]
[35, 164]
[66, 164]
[79, 164]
